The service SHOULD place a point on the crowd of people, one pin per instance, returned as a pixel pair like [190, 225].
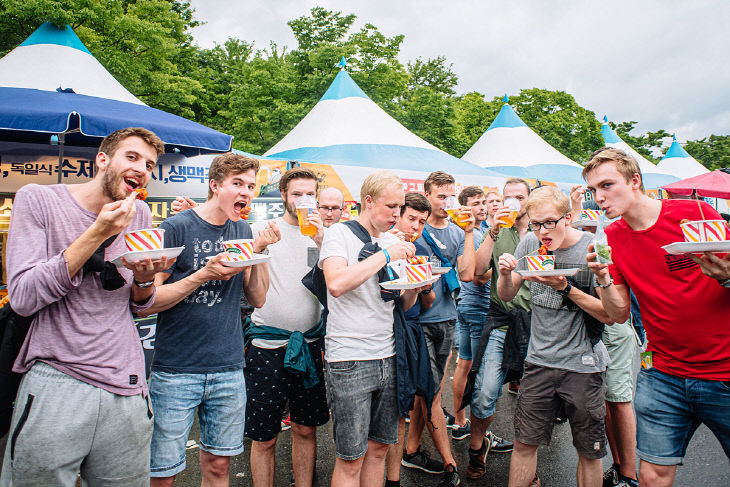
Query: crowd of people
[326, 340]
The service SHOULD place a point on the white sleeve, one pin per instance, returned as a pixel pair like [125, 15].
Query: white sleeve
[334, 243]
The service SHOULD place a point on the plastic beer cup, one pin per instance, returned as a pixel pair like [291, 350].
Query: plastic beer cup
[514, 205]
[305, 205]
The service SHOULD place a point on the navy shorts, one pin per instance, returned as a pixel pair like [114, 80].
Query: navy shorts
[269, 387]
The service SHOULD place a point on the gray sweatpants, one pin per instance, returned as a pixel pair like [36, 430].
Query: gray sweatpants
[62, 426]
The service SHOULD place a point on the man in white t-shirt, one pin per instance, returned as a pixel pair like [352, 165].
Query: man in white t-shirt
[290, 310]
[360, 345]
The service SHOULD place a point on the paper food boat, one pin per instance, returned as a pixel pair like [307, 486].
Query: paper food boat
[540, 263]
[416, 273]
[590, 214]
[704, 231]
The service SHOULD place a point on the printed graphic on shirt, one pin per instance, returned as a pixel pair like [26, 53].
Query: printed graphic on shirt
[677, 262]
[209, 292]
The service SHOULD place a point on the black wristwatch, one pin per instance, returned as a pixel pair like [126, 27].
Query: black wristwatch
[565, 291]
[426, 291]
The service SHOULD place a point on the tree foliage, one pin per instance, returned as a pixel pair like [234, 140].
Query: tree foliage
[258, 94]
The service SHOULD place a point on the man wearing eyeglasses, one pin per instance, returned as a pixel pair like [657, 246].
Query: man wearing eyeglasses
[331, 204]
[566, 361]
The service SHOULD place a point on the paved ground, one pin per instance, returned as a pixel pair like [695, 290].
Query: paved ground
[705, 465]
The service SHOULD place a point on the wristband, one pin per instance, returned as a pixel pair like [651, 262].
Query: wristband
[142, 285]
[493, 236]
[603, 286]
[387, 256]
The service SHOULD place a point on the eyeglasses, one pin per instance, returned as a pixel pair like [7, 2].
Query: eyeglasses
[548, 225]
[330, 209]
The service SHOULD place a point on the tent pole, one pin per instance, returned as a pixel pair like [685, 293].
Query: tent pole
[61, 141]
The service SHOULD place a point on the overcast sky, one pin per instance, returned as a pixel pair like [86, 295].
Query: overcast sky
[664, 64]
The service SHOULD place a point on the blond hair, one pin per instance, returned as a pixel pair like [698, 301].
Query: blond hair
[625, 164]
[376, 183]
[548, 195]
[437, 178]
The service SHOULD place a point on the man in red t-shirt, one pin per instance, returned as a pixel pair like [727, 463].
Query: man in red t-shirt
[686, 314]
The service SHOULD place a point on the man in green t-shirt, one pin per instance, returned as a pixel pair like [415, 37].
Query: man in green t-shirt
[491, 366]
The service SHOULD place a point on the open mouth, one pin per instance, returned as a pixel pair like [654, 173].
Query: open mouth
[133, 183]
[546, 242]
[238, 206]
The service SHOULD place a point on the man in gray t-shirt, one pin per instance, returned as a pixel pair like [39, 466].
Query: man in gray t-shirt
[564, 365]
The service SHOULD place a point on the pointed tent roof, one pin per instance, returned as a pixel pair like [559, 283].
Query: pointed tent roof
[346, 127]
[51, 84]
[51, 58]
[509, 146]
[653, 176]
[679, 163]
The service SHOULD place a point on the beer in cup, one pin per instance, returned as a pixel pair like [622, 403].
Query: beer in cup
[514, 205]
[451, 205]
[305, 205]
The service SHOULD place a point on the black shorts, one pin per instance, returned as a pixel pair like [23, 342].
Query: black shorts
[544, 390]
[269, 386]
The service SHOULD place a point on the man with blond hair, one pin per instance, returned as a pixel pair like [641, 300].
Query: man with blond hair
[687, 381]
[566, 360]
[359, 343]
[82, 407]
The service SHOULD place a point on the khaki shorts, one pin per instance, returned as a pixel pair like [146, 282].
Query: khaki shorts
[543, 391]
[620, 341]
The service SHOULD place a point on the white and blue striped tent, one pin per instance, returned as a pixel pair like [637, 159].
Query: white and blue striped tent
[51, 84]
[52, 58]
[678, 162]
[350, 132]
[652, 176]
[510, 147]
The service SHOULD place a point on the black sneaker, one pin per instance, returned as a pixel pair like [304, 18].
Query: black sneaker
[610, 478]
[626, 482]
[450, 478]
[450, 419]
[461, 432]
[422, 461]
[499, 444]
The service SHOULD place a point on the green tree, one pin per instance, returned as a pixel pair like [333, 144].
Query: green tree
[713, 151]
[432, 73]
[560, 121]
[648, 144]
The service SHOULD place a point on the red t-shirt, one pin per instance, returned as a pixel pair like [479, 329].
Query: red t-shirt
[686, 314]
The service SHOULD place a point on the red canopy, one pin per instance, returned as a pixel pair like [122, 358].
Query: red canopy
[715, 184]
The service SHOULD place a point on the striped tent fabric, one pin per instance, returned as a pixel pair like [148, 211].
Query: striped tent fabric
[678, 162]
[512, 148]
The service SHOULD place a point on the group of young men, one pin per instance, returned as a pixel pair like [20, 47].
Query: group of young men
[84, 406]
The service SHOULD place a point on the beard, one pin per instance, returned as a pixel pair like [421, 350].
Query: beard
[291, 209]
[110, 184]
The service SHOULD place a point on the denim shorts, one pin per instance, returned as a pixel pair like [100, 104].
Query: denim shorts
[362, 398]
[669, 409]
[469, 329]
[220, 398]
[490, 378]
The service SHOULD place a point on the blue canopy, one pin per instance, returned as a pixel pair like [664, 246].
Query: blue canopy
[30, 115]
